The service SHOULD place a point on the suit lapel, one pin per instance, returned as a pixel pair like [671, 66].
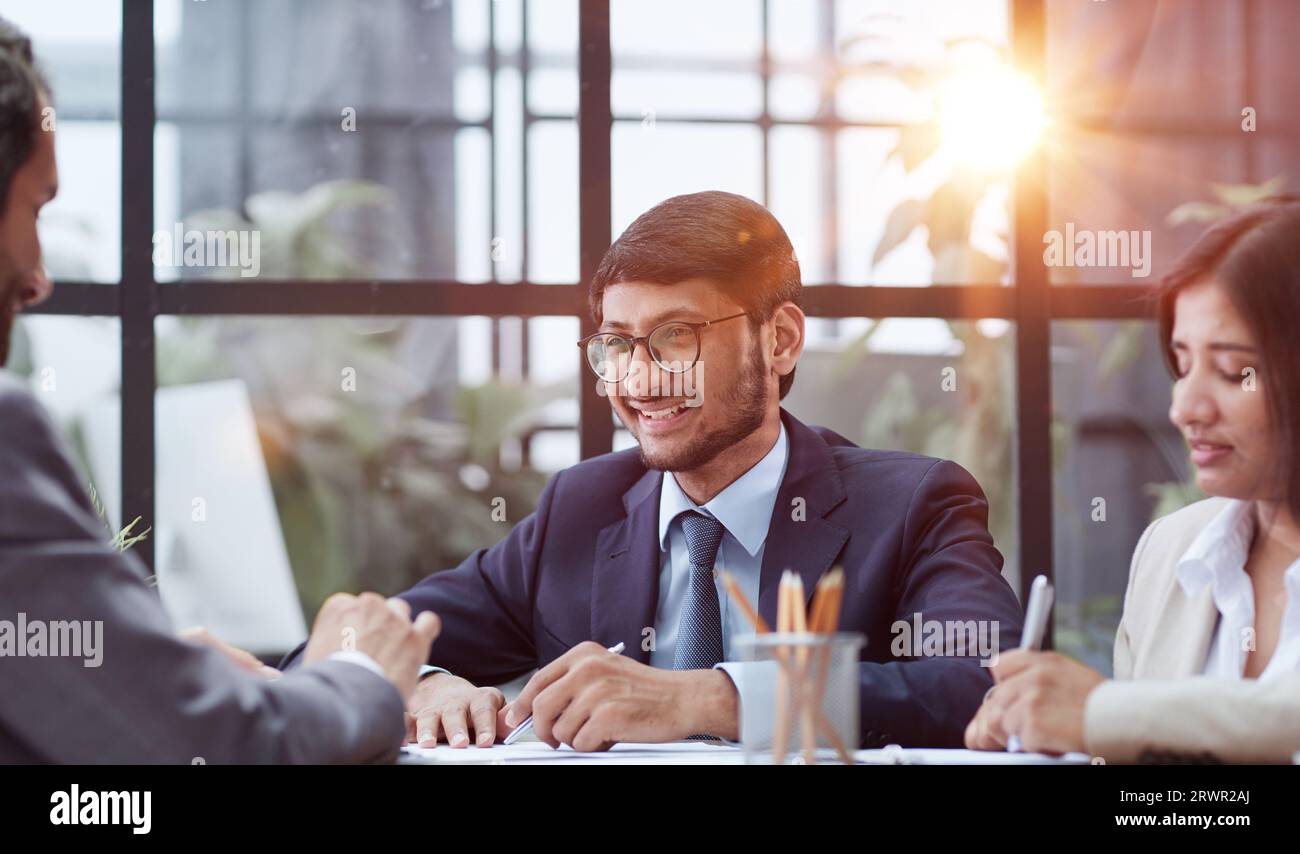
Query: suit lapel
[625, 574]
[799, 537]
[626, 563]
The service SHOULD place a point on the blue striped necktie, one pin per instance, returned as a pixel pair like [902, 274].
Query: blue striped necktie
[699, 633]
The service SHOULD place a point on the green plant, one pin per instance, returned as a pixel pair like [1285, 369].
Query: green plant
[1228, 198]
[1086, 629]
[298, 232]
[125, 538]
[979, 431]
[382, 480]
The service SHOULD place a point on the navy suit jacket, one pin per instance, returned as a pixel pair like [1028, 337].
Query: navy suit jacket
[910, 531]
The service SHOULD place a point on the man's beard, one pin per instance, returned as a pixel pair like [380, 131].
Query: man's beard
[746, 401]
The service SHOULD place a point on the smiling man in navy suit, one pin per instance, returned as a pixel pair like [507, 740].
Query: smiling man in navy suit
[699, 332]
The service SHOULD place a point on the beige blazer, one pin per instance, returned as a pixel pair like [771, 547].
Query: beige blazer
[1159, 706]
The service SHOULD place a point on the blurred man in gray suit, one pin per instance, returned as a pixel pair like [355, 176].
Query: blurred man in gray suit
[91, 668]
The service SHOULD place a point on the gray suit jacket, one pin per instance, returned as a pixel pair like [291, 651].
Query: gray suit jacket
[152, 698]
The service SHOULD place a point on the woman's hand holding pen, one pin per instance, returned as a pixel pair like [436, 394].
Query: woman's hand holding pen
[1039, 697]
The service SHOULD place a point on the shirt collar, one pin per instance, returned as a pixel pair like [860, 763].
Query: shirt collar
[744, 508]
[1218, 555]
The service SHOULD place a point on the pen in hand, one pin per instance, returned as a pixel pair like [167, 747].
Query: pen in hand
[527, 724]
[1040, 605]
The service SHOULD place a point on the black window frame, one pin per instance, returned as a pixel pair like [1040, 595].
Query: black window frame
[1031, 302]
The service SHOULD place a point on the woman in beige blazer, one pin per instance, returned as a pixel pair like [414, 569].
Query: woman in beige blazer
[1207, 655]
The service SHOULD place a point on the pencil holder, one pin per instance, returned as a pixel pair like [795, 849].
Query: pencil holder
[799, 697]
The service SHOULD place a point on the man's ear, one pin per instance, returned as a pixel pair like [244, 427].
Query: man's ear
[788, 337]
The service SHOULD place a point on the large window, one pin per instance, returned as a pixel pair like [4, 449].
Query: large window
[432, 182]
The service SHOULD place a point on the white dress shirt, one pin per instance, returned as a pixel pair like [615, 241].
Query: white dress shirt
[1218, 557]
[745, 509]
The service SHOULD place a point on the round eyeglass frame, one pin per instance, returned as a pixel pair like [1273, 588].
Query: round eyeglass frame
[697, 327]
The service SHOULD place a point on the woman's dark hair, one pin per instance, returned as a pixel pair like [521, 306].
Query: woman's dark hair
[1254, 255]
[728, 239]
[21, 88]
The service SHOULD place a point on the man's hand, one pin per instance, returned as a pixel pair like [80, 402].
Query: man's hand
[380, 628]
[1040, 697]
[451, 705]
[591, 699]
[242, 659]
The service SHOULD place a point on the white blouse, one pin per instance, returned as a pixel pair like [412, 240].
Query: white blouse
[1218, 557]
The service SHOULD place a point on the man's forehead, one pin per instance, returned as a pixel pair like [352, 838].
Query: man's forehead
[635, 301]
[655, 318]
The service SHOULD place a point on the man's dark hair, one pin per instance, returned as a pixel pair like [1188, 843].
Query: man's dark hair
[21, 88]
[1254, 255]
[728, 239]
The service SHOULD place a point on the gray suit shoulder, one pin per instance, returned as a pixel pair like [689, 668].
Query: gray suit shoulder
[25, 426]
[15, 397]
[42, 497]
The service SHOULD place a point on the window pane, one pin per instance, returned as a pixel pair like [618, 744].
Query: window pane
[381, 469]
[1156, 61]
[893, 57]
[794, 29]
[984, 20]
[864, 205]
[553, 27]
[655, 160]
[873, 97]
[944, 388]
[1116, 193]
[1118, 464]
[1168, 118]
[650, 94]
[926, 202]
[553, 54]
[797, 196]
[553, 91]
[386, 164]
[653, 30]
[81, 236]
[78, 43]
[74, 367]
[553, 202]
[795, 97]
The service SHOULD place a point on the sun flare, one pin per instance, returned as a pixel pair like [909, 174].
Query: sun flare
[990, 118]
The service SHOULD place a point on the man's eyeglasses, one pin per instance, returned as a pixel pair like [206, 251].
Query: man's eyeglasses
[674, 346]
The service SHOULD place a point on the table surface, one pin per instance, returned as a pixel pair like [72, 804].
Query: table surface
[702, 753]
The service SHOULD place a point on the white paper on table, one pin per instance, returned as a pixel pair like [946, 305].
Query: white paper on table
[540, 753]
[939, 756]
[706, 753]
